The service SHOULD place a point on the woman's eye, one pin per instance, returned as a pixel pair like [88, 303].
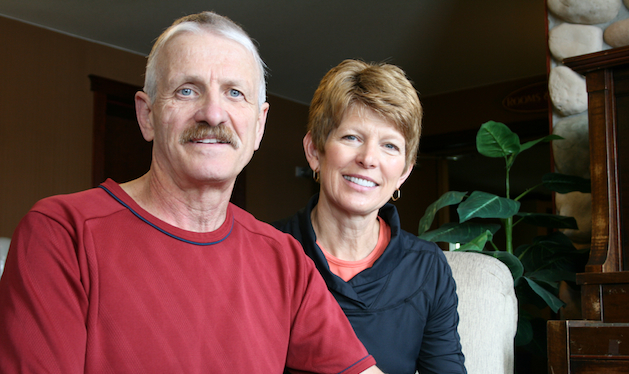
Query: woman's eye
[392, 147]
[235, 93]
[349, 137]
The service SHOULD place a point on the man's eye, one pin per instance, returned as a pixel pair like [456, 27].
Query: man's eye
[186, 91]
[235, 93]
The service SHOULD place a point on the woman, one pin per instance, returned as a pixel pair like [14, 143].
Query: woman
[396, 290]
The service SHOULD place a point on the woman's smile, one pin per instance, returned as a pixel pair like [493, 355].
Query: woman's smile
[360, 181]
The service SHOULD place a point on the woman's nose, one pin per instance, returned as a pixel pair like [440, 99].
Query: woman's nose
[367, 157]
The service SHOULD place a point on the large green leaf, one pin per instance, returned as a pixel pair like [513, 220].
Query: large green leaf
[485, 205]
[554, 251]
[524, 333]
[547, 138]
[478, 243]
[551, 300]
[459, 232]
[549, 220]
[495, 139]
[563, 183]
[526, 295]
[552, 275]
[446, 233]
[513, 263]
[447, 199]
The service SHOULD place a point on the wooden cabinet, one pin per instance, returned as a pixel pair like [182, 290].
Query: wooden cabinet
[600, 342]
[587, 347]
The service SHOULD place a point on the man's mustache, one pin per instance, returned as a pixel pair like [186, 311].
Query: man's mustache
[202, 130]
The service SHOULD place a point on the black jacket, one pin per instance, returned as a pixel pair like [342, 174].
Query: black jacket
[403, 308]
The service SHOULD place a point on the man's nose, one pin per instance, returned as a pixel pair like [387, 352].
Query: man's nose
[211, 110]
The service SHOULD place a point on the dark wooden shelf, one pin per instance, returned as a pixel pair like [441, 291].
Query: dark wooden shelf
[596, 344]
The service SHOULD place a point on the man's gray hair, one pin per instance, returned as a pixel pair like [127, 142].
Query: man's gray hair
[199, 23]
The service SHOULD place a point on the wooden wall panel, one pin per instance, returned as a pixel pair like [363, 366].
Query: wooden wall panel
[46, 112]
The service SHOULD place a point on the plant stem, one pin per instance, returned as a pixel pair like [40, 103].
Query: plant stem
[509, 221]
[527, 191]
[518, 221]
[509, 234]
[507, 185]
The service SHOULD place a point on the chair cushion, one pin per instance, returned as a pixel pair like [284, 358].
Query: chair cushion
[488, 312]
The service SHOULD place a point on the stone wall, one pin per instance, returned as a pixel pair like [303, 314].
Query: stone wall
[578, 27]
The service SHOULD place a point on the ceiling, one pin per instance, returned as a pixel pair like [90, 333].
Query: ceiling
[444, 45]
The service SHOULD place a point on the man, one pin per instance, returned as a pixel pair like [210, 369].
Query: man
[162, 274]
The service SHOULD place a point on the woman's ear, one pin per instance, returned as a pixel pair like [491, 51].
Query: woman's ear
[312, 155]
[404, 176]
[143, 113]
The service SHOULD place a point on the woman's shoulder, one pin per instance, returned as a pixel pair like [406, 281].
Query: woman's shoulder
[298, 225]
[418, 250]
[412, 243]
[290, 225]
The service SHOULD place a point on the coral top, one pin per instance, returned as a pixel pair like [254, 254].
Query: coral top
[348, 269]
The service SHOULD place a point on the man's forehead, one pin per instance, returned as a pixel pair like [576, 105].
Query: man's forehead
[199, 50]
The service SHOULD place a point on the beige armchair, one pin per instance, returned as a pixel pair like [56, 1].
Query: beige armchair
[4, 250]
[488, 312]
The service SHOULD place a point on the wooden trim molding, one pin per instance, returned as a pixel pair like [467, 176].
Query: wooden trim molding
[106, 92]
[606, 59]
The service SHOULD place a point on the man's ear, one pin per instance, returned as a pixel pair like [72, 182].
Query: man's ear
[312, 155]
[143, 111]
[264, 111]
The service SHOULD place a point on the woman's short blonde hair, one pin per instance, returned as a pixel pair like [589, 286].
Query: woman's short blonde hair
[381, 87]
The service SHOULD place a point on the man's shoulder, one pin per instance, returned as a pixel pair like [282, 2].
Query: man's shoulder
[255, 226]
[269, 241]
[88, 203]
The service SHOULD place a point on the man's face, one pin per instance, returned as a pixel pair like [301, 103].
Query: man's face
[205, 121]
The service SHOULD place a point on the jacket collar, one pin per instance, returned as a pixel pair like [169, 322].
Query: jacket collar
[389, 260]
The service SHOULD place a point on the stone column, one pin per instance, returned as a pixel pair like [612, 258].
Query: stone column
[578, 27]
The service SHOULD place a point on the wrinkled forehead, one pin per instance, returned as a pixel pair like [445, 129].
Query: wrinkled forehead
[188, 51]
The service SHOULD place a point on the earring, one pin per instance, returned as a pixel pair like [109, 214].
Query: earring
[396, 195]
[315, 176]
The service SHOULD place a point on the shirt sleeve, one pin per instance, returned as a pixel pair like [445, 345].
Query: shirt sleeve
[322, 339]
[441, 348]
[43, 302]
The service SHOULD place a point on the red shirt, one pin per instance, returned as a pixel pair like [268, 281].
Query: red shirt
[95, 284]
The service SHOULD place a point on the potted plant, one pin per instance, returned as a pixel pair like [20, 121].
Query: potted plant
[538, 267]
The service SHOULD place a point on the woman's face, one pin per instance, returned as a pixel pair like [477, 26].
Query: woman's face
[363, 163]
